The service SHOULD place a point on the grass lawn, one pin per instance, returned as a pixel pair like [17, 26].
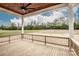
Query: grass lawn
[4, 33]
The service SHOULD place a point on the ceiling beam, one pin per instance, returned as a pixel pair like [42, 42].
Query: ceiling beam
[10, 12]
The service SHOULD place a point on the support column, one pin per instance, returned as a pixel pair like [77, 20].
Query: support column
[22, 28]
[71, 24]
[71, 20]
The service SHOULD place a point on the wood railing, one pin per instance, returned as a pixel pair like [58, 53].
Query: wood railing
[70, 43]
[67, 42]
[48, 39]
[9, 38]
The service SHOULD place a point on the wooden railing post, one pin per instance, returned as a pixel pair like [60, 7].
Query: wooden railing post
[22, 36]
[32, 37]
[9, 38]
[69, 43]
[45, 40]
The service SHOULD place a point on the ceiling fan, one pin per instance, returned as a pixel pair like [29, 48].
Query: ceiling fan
[25, 7]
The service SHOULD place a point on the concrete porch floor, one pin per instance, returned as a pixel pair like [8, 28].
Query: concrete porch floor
[27, 48]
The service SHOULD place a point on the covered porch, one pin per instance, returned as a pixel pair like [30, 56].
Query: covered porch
[41, 44]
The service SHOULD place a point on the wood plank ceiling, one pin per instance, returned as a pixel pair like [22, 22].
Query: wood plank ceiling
[16, 7]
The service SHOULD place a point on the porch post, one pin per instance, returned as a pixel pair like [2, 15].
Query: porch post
[71, 24]
[22, 28]
[71, 20]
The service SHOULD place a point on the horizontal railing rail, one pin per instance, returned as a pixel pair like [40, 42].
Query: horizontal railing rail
[49, 36]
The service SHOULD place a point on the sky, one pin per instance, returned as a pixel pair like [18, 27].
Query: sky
[47, 16]
[5, 18]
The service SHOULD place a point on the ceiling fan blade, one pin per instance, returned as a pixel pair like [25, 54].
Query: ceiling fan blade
[28, 4]
[30, 8]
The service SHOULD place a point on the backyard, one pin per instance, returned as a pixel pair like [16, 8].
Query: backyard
[4, 33]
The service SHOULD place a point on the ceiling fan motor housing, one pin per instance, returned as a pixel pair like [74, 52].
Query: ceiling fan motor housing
[23, 8]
